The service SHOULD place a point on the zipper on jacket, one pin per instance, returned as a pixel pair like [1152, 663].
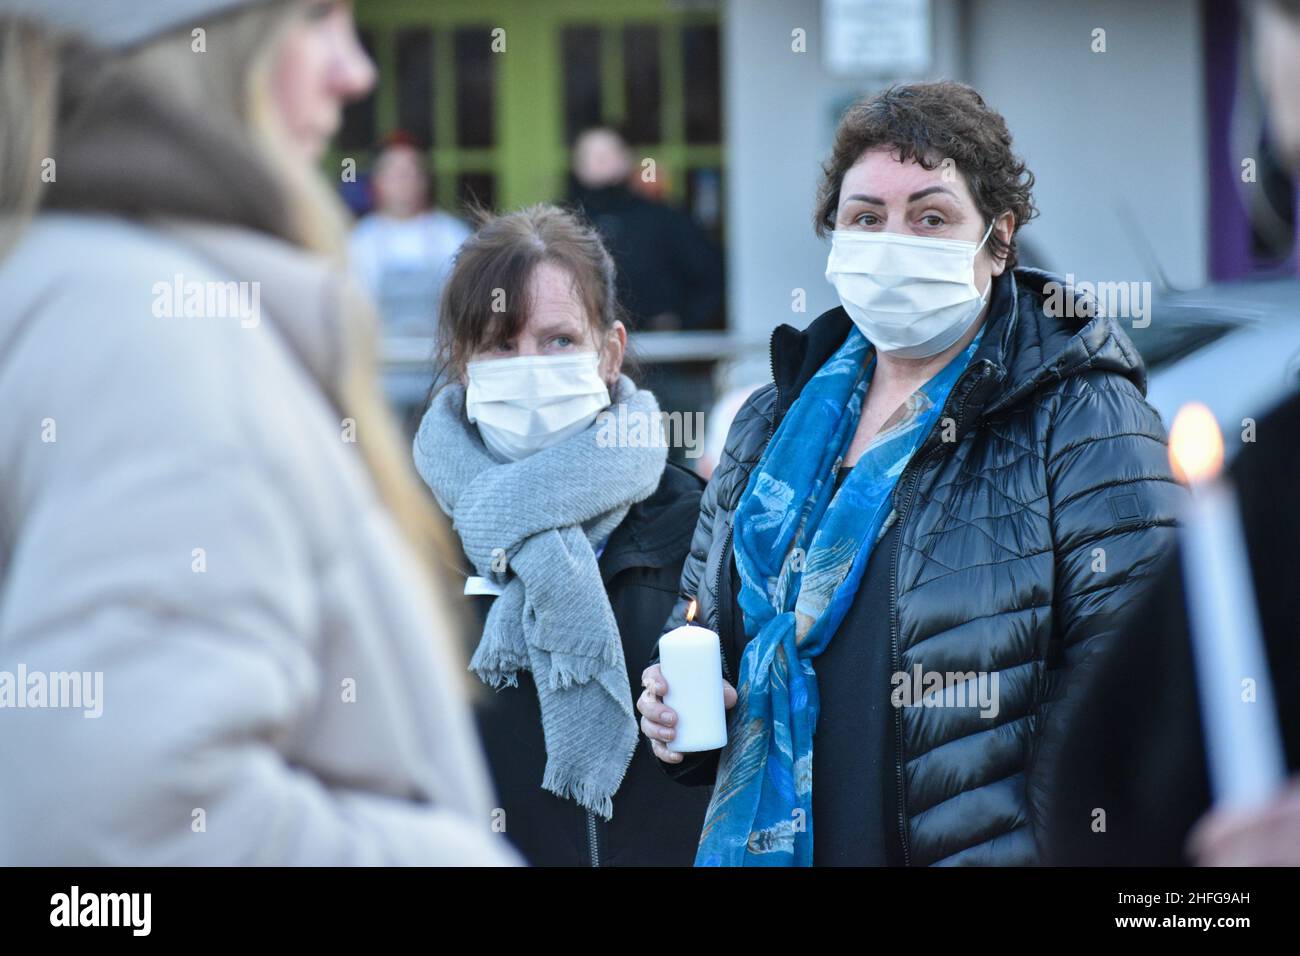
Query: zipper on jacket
[593, 824]
[894, 656]
[716, 616]
[776, 389]
[593, 841]
[894, 662]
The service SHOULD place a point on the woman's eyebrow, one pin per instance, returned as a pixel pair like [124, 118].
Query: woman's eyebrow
[571, 329]
[919, 194]
[872, 200]
[928, 190]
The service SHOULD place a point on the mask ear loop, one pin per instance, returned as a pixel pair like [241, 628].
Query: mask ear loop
[988, 232]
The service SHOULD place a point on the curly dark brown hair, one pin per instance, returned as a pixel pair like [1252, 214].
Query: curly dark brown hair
[931, 123]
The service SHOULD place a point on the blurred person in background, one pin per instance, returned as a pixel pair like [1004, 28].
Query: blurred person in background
[1276, 31]
[670, 271]
[403, 250]
[204, 502]
[1133, 741]
[899, 550]
[549, 460]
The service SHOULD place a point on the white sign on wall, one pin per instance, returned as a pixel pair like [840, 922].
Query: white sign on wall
[876, 37]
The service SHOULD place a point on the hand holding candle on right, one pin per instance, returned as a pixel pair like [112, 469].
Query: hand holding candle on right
[658, 721]
[1267, 835]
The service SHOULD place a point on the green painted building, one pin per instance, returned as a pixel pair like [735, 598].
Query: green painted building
[498, 88]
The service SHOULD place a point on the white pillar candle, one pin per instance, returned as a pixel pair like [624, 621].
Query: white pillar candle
[690, 659]
[1242, 741]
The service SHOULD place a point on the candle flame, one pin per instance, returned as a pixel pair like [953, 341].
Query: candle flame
[1195, 444]
[690, 610]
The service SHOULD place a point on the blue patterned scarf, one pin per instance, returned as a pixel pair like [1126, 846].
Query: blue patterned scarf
[801, 548]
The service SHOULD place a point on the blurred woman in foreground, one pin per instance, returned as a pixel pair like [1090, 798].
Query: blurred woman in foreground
[204, 503]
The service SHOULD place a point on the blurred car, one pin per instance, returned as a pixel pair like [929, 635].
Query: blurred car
[1235, 346]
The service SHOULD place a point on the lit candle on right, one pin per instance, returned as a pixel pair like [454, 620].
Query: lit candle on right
[690, 659]
[1242, 740]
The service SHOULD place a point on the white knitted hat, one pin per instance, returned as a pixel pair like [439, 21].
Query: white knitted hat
[119, 24]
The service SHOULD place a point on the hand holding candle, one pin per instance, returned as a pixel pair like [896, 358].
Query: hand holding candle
[692, 715]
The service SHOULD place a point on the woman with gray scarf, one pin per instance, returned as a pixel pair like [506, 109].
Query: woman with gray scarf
[552, 466]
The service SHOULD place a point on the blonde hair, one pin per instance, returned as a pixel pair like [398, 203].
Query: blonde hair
[28, 105]
[224, 98]
[235, 76]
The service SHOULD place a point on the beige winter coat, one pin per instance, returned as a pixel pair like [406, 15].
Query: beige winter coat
[180, 512]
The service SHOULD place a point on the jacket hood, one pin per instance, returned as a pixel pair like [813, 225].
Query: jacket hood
[1027, 347]
[128, 149]
[1037, 348]
[307, 302]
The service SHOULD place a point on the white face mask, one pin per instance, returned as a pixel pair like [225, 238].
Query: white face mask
[912, 296]
[524, 404]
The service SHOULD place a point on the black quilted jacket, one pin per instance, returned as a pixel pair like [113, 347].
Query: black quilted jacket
[1019, 545]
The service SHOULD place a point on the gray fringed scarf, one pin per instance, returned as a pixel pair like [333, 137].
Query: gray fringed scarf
[540, 519]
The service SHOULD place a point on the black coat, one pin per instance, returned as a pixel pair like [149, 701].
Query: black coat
[655, 822]
[1133, 744]
[666, 263]
[1018, 545]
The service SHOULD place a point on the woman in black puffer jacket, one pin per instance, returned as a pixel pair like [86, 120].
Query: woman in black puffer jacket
[1024, 521]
